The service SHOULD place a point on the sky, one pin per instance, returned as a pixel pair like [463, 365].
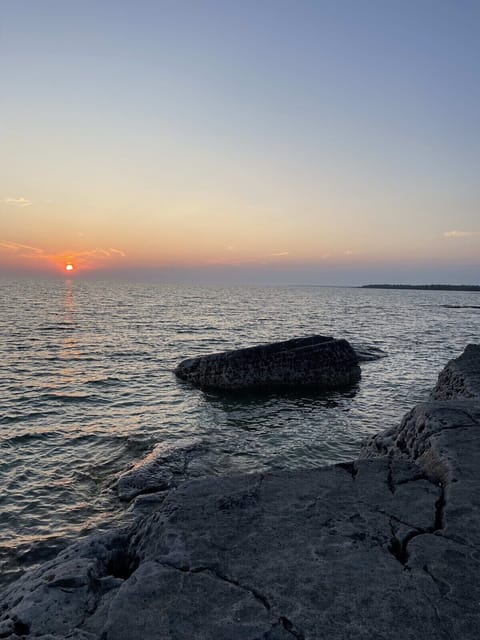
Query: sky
[266, 141]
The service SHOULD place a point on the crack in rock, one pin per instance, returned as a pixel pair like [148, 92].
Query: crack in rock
[290, 627]
[399, 547]
[443, 587]
[421, 476]
[390, 482]
[389, 515]
[459, 541]
[283, 620]
[220, 576]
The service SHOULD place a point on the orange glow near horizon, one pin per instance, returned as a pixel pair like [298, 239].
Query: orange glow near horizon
[46, 259]
[196, 249]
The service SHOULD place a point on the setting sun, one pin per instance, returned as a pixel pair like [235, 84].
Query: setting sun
[69, 267]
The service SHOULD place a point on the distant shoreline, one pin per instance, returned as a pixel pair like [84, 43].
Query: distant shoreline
[425, 287]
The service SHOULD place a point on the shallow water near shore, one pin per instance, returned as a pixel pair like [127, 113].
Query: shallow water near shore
[87, 388]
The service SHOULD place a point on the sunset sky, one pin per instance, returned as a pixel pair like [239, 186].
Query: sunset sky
[323, 142]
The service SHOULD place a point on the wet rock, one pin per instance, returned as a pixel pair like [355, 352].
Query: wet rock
[317, 361]
[161, 469]
[368, 353]
[386, 546]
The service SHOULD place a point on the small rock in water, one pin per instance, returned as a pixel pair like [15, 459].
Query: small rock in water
[319, 362]
[367, 353]
[159, 470]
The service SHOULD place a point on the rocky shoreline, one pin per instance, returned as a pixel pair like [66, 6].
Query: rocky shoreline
[383, 547]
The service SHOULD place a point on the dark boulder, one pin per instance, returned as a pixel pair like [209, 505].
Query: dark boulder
[461, 377]
[318, 362]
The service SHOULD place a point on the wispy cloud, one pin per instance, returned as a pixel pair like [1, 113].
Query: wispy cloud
[23, 250]
[92, 257]
[455, 233]
[17, 202]
[117, 252]
[88, 259]
[279, 254]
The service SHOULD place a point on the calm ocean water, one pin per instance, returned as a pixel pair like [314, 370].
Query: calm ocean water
[87, 388]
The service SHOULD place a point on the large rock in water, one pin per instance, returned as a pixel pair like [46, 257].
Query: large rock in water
[386, 547]
[316, 361]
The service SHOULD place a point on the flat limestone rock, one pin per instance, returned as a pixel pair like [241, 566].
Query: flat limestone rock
[384, 547]
[316, 361]
[244, 557]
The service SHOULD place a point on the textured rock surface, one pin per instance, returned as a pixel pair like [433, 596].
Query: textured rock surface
[461, 377]
[316, 361]
[160, 470]
[386, 547]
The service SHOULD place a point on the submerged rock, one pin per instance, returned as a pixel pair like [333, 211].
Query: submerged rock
[368, 353]
[386, 546]
[316, 361]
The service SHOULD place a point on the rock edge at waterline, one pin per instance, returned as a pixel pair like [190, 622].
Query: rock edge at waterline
[384, 547]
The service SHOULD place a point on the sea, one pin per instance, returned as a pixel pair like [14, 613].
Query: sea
[87, 388]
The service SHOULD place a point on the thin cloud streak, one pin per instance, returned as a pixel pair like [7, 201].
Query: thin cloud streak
[23, 249]
[118, 252]
[455, 233]
[17, 202]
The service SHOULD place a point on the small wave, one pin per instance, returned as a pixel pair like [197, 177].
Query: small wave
[105, 382]
[33, 415]
[70, 359]
[126, 354]
[197, 329]
[73, 398]
[27, 437]
[59, 327]
[460, 306]
[128, 403]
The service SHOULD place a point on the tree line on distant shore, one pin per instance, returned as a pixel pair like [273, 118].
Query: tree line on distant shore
[425, 287]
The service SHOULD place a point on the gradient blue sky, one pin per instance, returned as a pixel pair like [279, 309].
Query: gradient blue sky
[319, 142]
